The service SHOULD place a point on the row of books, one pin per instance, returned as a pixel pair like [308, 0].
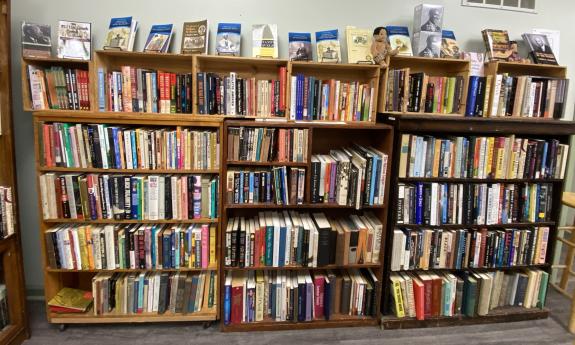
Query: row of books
[482, 157]
[463, 248]
[330, 99]
[425, 295]
[103, 146]
[280, 239]
[419, 92]
[519, 96]
[131, 246]
[482, 204]
[298, 296]
[353, 176]
[237, 96]
[152, 197]
[153, 292]
[58, 88]
[254, 144]
[277, 185]
[135, 89]
[7, 216]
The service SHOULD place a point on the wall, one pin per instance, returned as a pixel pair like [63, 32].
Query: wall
[293, 15]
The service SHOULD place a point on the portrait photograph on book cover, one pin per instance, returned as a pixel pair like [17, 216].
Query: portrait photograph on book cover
[428, 44]
[428, 18]
[540, 49]
[36, 40]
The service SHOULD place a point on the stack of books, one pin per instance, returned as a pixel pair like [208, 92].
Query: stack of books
[298, 296]
[58, 88]
[117, 147]
[236, 96]
[253, 144]
[134, 246]
[153, 292]
[482, 157]
[150, 197]
[283, 239]
[476, 293]
[7, 217]
[425, 249]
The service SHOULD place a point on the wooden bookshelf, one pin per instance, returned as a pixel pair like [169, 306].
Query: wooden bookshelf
[445, 126]
[321, 138]
[11, 262]
[55, 278]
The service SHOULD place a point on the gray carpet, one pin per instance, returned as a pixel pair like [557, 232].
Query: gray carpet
[549, 331]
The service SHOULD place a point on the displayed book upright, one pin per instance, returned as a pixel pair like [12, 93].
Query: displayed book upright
[13, 316]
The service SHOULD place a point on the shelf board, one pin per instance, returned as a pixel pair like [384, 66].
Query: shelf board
[327, 267]
[503, 314]
[335, 321]
[421, 59]
[306, 205]
[191, 120]
[33, 59]
[150, 55]
[422, 114]
[127, 270]
[89, 317]
[460, 226]
[274, 164]
[506, 268]
[128, 171]
[133, 221]
[330, 66]
[478, 180]
[241, 60]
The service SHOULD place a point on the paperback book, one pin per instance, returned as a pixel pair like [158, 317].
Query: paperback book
[265, 40]
[159, 38]
[358, 45]
[540, 49]
[36, 40]
[74, 40]
[228, 40]
[328, 48]
[449, 46]
[300, 46]
[399, 39]
[121, 34]
[195, 37]
[496, 44]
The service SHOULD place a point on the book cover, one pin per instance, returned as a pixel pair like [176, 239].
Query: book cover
[300, 46]
[449, 46]
[74, 40]
[427, 18]
[358, 45]
[36, 40]
[71, 300]
[327, 45]
[195, 37]
[265, 40]
[121, 33]
[496, 44]
[540, 49]
[399, 39]
[159, 38]
[427, 44]
[228, 39]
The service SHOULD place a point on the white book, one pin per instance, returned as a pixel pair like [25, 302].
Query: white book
[104, 145]
[433, 217]
[293, 97]
[496, 94]
[128, 149]
[276, 224]
[153, 197]
[289, 232]
[46, 214]
[564, 161]
[232, 94]
[96, 247]
[70, 194]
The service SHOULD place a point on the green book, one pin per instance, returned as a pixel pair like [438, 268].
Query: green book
[543, 289]
[450, 94]
[470, 296]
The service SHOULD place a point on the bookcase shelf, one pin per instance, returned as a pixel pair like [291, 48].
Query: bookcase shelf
[446, 126]
[268, 164]
[128, 171]
[89, 317]
[336, 321]
[133, 221]
[292, 268]
[302, 206]
[122, 270]
[482, 269]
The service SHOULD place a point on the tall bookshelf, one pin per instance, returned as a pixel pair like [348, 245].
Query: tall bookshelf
[444, 126]
[11, 265]
[322, 138]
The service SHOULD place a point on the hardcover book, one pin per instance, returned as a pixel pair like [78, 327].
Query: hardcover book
[496, 44]
[300, 46]
[159, 38]
[358, 44]
[121, 33]
[328, 48]
[195, 37]
[36, 40]
[265, 40]
[399, 39]
[428, 18]
[70, 300]
[228, 39]
[427, 44]
[74, 40]
[540, 49]
[449, 46]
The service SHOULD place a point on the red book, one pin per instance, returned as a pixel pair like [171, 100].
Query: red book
[46, 136]
[173, 86]
[483, 233]
[426, 279]
[237, 309]
[282, 90]
[419, 295]
[436, 292]
[72, 251]
[318, 291]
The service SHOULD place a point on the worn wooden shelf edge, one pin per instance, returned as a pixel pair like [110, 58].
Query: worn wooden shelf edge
[294, 268]
[129, 171]
[478, 180]
[306, 205]
[182, 269]
[505, 268]
[344, 321]
[132, 221]
[89, 317]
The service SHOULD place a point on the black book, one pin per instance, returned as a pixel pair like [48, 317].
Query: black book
[430, 90]
[168, 212]
[521, 289]
[324, 234]
[314, 182]
[480, 97]
[426, 204]
[95, 139]
[164, 293]
[191, 182]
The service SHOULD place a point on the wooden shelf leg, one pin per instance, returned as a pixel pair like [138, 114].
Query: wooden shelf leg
[207, 324]
[62, 327]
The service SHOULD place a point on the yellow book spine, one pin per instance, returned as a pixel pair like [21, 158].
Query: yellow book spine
[398, 298]
[83, 247]
[90, 248]
[436, 155]
[489, 159]
[213, 231]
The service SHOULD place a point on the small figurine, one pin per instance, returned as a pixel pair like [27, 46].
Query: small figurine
[514, 54]
[380, 47]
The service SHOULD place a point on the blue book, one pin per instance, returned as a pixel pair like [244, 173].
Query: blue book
[446, 297]
[141, 284]
[444, 194]
[282, 246]
[373, 178]
[511, 249]
[154, 81]
[241, 188]
[399, 39]
[101, 90]
[121, 33]
[544, 168]
[299, 97]
[472, 95]
[136, 292]
[134, 152]
[227, 302]
[176, 246]
[135, 199]
[299, 246]
[228, 39]
[117, 164]
[419, 203]
[166, 248]
[251, 186]
[300, 46]
[172, 250]
[159, 38]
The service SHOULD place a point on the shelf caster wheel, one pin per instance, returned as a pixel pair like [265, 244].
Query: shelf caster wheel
[207, 324]
[62, 327]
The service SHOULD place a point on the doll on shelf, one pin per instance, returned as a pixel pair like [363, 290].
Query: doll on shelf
[380, 47]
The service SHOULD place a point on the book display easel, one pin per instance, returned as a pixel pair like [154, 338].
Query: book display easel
[440, 127]
[14, 324]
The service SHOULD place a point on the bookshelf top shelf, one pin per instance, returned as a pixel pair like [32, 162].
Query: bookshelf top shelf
[420, 59]
[517, 68]
[326, 66]
[39, 60]
[125, 117]
[140, 55]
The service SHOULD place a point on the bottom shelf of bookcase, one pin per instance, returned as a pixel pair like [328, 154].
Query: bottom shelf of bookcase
[89, 317]
[507, 314]
[13, 334]
[336, 321]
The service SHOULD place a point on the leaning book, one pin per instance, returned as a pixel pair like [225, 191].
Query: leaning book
[70, 300]
[328, 48]
[399, 39]
[496, 44]
[159, 38]
[36, 40]
[121, 34]
[540, 49]
[74, 40]
[300, 46]
[358, 44]
[265, 40]
[195, 37]
[228, 40]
